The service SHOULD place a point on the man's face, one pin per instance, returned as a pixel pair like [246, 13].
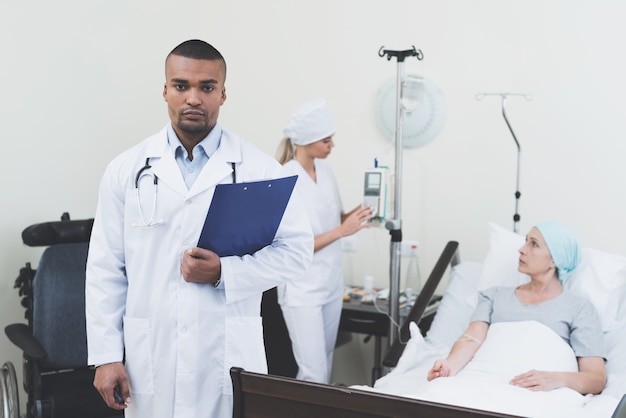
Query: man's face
[194, 91]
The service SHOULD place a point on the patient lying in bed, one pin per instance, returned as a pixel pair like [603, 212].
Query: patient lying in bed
[515, 344]
[550, 253]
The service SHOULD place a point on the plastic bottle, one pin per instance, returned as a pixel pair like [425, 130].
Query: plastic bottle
[368, 290]
[413, 282]
[348, 267]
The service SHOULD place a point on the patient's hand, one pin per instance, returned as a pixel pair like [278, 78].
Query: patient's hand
[537, 380]
[441, 368]
[590, 378]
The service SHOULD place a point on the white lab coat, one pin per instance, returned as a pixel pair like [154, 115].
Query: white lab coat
[180, 339]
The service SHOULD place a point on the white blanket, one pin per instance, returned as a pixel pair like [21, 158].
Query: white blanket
[509, 349]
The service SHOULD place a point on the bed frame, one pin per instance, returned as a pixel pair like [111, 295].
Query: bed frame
[265, 396]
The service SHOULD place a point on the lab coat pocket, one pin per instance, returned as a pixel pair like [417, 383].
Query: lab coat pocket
[137, 340]
[244, 347]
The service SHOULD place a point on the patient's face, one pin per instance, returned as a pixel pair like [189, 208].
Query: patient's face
[535, 258]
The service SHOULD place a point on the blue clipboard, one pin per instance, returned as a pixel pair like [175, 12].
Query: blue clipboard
[244, 217]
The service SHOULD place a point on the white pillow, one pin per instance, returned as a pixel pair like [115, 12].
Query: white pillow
[457, 305]
[500, 265]
[616, 362]
[617, 303]
[600, 276]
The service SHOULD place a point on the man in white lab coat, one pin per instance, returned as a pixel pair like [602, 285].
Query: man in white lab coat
[166, 320]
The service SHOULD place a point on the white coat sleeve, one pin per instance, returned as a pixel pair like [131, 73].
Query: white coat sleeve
[285, 259]
[106, 284]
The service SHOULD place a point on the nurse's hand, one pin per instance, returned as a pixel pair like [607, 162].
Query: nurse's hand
[356, 220]
[201, 266]
[111, 381]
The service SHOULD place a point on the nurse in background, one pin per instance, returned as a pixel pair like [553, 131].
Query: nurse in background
[312, 303]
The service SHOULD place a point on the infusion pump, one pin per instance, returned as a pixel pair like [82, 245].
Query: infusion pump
[376, 193]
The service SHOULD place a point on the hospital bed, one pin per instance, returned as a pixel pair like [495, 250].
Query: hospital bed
[482, 388]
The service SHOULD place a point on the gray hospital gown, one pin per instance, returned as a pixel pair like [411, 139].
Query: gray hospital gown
[572, 317]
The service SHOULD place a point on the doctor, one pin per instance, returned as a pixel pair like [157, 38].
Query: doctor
[166, 320]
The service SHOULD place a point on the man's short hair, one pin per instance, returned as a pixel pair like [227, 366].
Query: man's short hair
[198, 49]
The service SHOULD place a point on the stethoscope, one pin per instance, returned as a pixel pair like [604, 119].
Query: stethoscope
[142, 172]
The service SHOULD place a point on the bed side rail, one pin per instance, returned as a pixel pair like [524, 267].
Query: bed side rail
[620, 411]
[449, 257]
[266, 396]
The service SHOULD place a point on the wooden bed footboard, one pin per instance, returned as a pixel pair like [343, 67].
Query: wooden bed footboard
[264, 396]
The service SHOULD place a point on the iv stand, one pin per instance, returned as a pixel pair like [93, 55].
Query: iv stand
[480, 96]
[395, 225]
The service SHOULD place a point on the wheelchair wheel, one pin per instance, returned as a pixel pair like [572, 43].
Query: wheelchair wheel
[9, 392]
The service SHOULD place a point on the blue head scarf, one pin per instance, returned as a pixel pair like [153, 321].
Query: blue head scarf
[562, 242]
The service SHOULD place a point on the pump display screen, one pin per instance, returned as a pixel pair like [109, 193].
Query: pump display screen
[373, 183]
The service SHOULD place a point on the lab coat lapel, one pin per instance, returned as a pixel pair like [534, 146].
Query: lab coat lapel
[219, 167]
[163, 163]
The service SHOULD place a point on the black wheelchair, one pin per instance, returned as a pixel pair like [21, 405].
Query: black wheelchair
[56, 378]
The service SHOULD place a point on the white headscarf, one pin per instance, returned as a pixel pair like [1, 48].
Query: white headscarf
[310, 122]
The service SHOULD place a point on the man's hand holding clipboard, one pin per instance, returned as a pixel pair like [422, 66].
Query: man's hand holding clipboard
[242, 219]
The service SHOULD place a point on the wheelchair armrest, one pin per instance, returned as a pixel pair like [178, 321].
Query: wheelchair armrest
[22, 337]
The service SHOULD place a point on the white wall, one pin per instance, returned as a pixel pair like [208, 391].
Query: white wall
[82, 81]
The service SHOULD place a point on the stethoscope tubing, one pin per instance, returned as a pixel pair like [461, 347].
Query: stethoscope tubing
[143, 172]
